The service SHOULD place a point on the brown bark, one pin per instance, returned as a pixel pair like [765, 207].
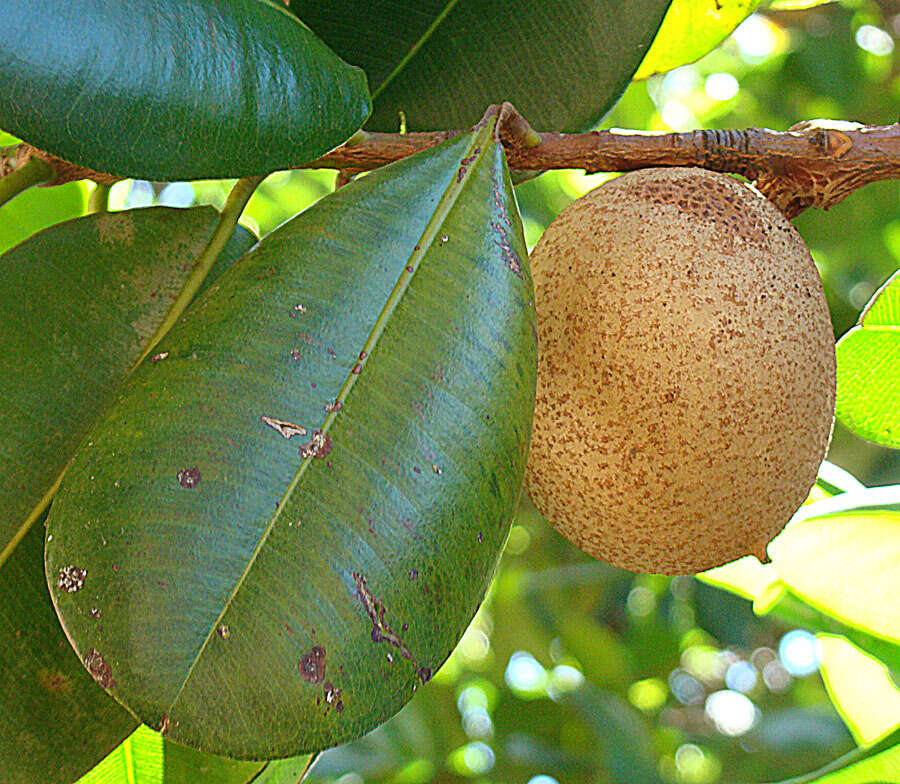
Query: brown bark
[816, 163]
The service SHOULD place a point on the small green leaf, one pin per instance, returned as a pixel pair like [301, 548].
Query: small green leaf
[55, 722]
[40, 208]
[167, 90]
[876, 764]
[691, 29]
[861, 688]
[147, 758]
[439, 63]
[290, 521]
[80, 302]
[868, 370]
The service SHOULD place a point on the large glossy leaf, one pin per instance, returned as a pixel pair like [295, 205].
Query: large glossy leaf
[148, 758]
[55, 722]
[80, 302]
[876, 764]
[861, 688]
[841, 556]
[691, 29]
[868, 370]
[174, 90]
[563, 63]
[289, 522]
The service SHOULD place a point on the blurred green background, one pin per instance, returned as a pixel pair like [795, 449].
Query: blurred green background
[574, 671]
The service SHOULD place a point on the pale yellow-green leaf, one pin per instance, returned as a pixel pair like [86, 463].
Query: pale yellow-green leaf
[861, 689]
[846, 564]
[692, 28]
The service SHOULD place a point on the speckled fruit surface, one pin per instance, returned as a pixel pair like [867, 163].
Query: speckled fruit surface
[686, 372]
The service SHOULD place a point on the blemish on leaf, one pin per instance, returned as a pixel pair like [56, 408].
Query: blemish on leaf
[54, 681]
[332, 696]
[70, 579]
[297, 310]
[189, 477]
[286, 429]
[413, 574]
[295, 354]
[436, 470]
[223, 631]
[99, 669]
[318, 446]
[312, 665]
[336, 406]
[159, 357]
[357, 369]
[424, 674]
[94, 613]
[164, 725]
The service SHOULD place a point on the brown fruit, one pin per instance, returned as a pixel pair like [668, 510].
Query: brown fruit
[686, 372]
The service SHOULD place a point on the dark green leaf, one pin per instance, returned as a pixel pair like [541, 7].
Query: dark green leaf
[174, 90]
[563, 63]
[266, 593]
[868, 370]
[877, 764]
[80, 302]
[54, 720]
[691, 29]
[147, 758]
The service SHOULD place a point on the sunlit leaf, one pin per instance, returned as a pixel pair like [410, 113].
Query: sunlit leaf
[174, 90]
[868, 370]
[147, 758]
[39, 208]
[841, 556]
[439, 63]
[303, 504]
[861, 689]
[691, 29]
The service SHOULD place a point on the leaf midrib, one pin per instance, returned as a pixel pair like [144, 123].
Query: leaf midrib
[415, 48]
[480, 142]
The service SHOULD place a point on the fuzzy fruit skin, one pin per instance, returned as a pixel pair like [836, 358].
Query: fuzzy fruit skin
[686, 372]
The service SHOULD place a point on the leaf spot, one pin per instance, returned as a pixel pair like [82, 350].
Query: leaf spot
[189, 477]
[99, 669]
[70, 579]
[318, 446]
[312, 665]
[286, 429]
[223, 631]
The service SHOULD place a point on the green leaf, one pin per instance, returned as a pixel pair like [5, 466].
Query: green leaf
[80, 302]
[868, 370]
[289, 522]
[39, 208]
[691, 29]
[841, 554]
[861, 688]
[877, 764]
[174, 90]
[147, 758]
[54, 720]
[563, 63]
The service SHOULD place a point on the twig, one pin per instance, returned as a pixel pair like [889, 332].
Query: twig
[816, 163]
